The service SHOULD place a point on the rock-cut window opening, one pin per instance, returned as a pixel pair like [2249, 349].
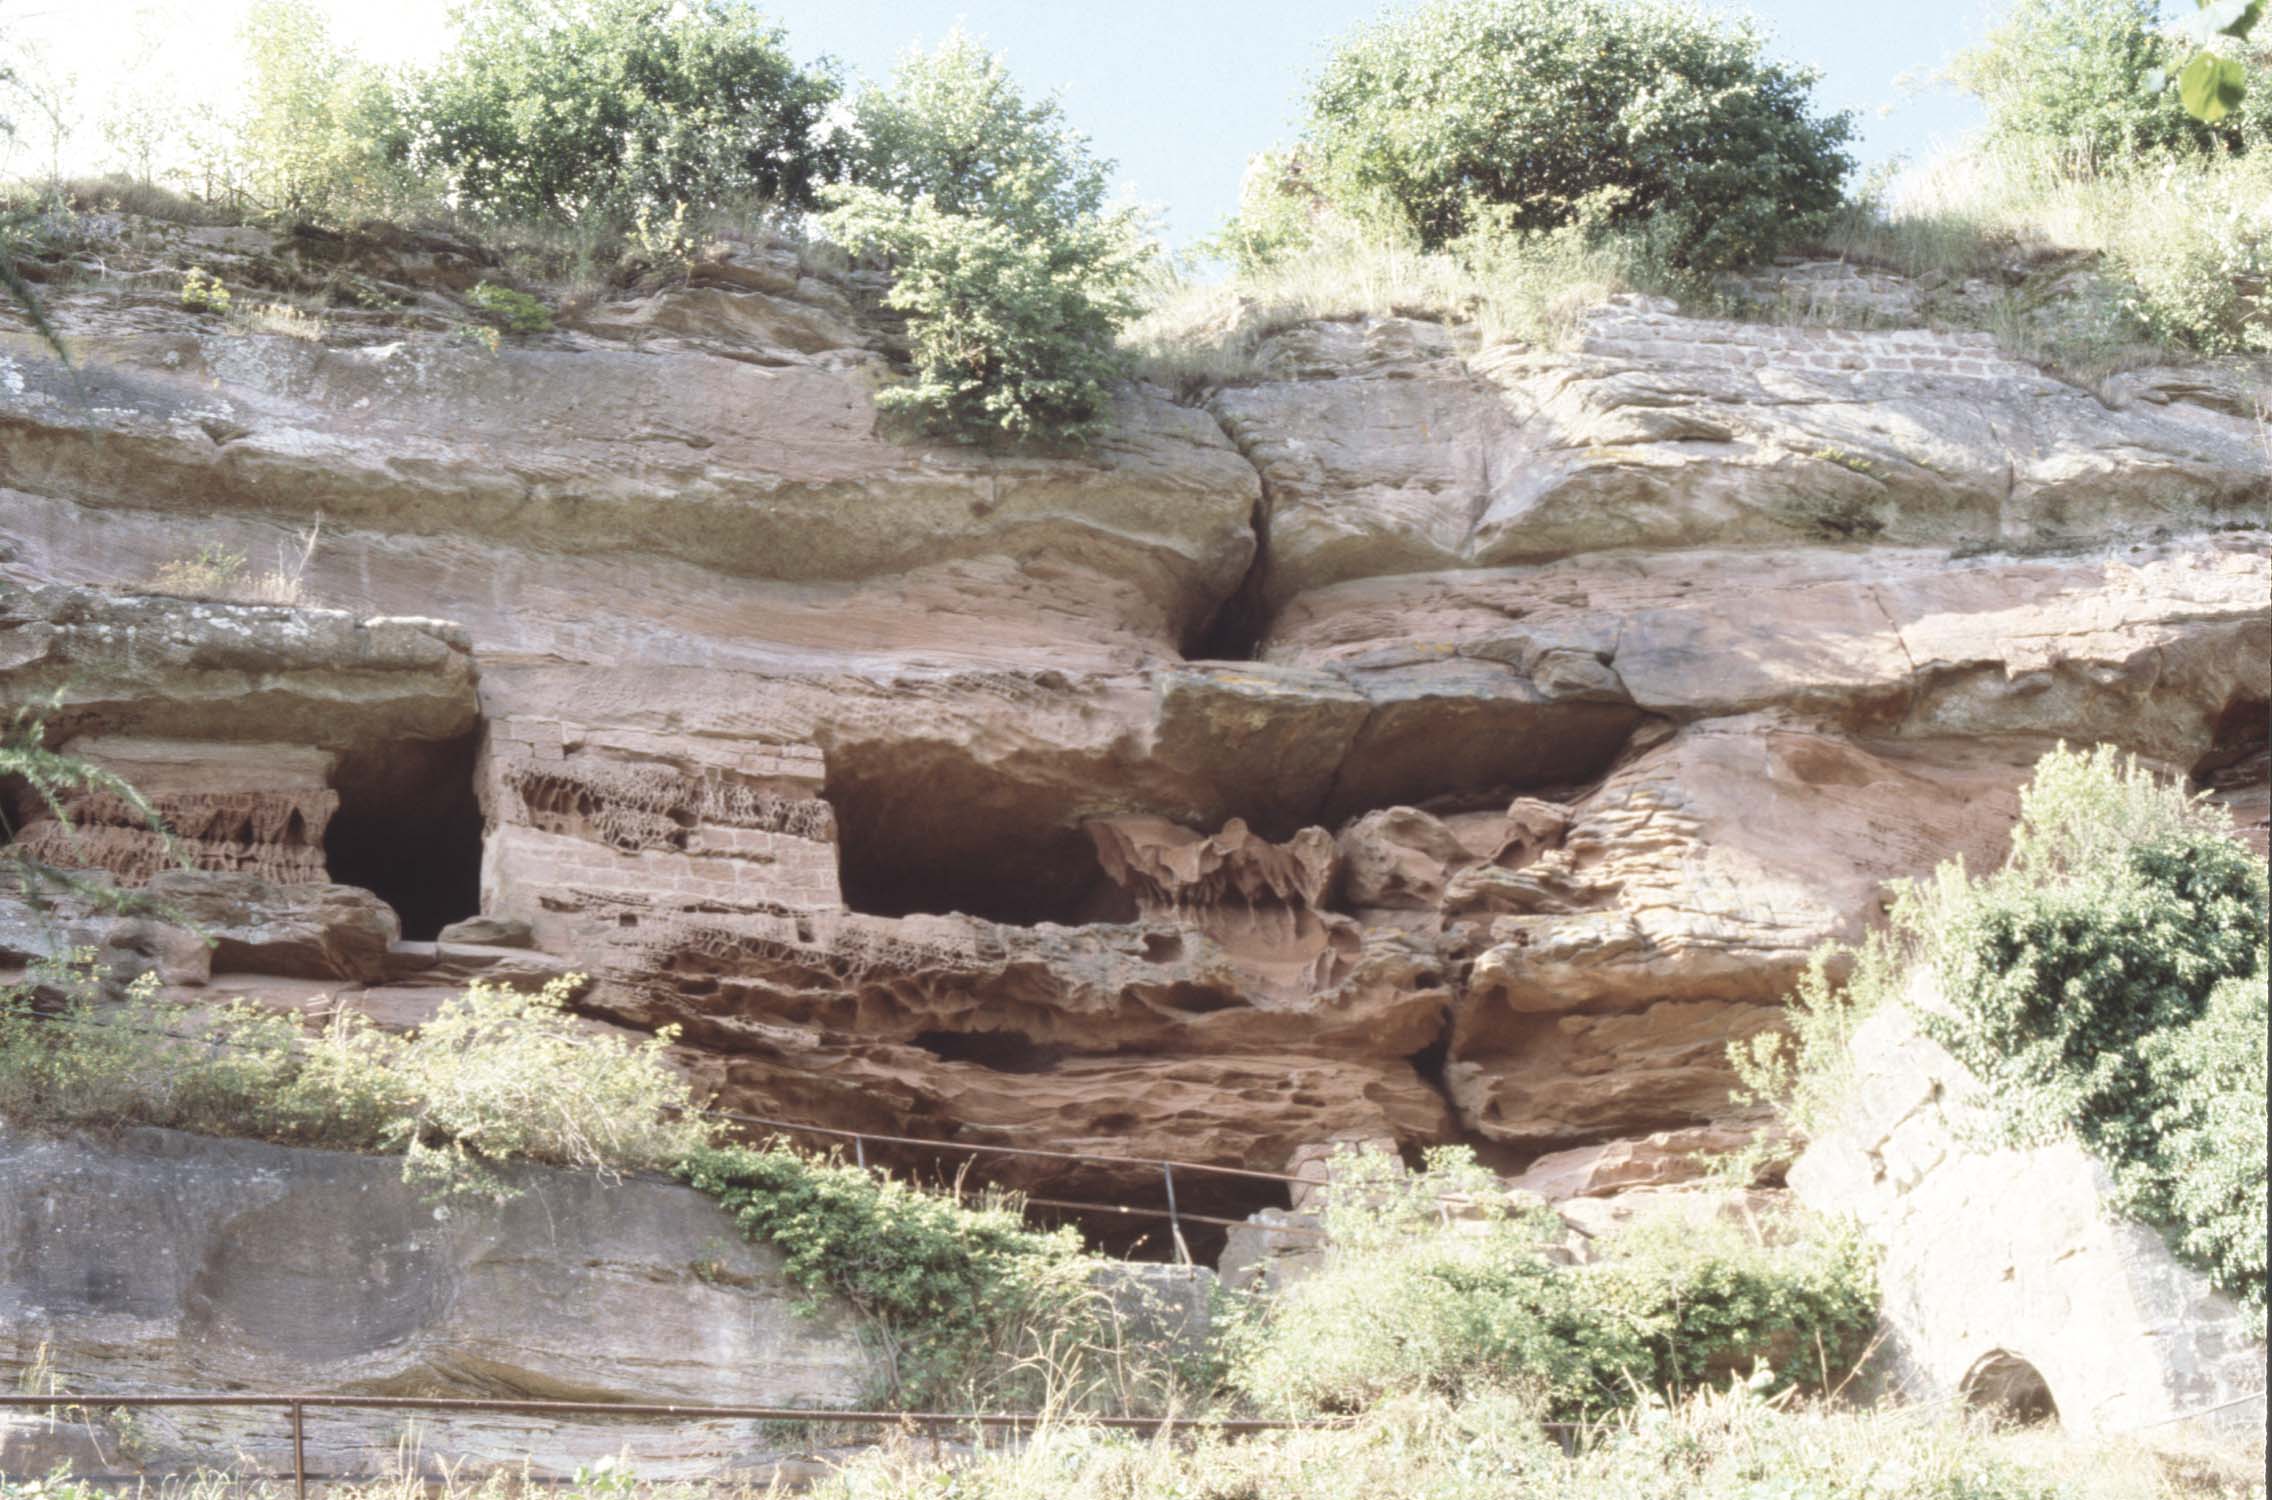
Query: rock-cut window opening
[408, 830]
[943, 834]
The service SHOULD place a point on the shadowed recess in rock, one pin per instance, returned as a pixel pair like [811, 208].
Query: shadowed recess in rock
[950, 836]
[408, 829]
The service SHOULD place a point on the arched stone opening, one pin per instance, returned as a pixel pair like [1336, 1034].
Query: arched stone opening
[2007, 1386]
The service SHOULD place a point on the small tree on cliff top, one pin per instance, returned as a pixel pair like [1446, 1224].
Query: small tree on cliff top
[990, 211]
[1517, 114]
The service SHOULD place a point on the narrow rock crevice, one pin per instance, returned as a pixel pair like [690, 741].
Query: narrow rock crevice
[1242, 620]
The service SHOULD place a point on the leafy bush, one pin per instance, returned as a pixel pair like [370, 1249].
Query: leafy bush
[2207, 1120]
[2081, 980]
[963, 1300]
[499, 1075]
[1803, 1071]
[515, 312]
[604, 108]
[2107, 981]
[1464, 115]
[2202, 279]
[2088, 79]
[1409, 1302]
[1277, 215]
[495, 1077]
[990, 213]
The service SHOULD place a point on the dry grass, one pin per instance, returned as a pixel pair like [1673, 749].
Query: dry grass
[219, 573]
[1721, 1446]
[116, 193]
[293, 322]
[1529, 291]
[2085, 274]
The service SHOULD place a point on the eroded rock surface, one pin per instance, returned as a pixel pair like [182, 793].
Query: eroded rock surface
[1394, 448]
[1588, 691]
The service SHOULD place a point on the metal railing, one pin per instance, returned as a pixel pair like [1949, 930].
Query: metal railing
[297, 1405]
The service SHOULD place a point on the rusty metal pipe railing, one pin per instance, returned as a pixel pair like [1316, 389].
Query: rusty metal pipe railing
[297, 1406]
[681, 1411]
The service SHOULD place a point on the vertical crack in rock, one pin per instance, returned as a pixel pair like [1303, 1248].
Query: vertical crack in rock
[1242, 619]
[1916, 680]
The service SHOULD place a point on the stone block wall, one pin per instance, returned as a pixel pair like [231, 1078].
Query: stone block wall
[1649, 329]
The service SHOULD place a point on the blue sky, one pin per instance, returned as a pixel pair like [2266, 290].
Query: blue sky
[1181, 92]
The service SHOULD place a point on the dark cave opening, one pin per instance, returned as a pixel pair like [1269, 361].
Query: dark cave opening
[2242, 731]
[953, 837]
[409, 830]
[1115, 1213]
[2011, 1389]
[1239, 624]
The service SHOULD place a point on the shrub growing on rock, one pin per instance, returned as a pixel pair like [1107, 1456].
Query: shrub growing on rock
[962, 1299]
[990, 213]
[2090, 985]
[2108, 981]
[1467, 114]
[1415, 1300]
[497, 1076]
[514, 312]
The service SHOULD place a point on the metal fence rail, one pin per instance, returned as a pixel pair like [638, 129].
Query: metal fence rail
[298, 1404]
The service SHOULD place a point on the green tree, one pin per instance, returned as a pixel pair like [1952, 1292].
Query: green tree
[2083, 80]
[323, 132]
[605, 108]
[1514, 114]
[991, 213]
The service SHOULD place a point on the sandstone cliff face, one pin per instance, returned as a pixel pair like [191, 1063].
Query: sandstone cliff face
[1423, 741]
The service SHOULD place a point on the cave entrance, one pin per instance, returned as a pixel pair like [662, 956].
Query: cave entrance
[928, 835]
[408, 830]
[2008, 1387]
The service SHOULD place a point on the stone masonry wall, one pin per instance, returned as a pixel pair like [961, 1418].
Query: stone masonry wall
[1650, 328]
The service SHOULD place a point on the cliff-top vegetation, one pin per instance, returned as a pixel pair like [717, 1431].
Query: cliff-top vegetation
[2099, 220]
